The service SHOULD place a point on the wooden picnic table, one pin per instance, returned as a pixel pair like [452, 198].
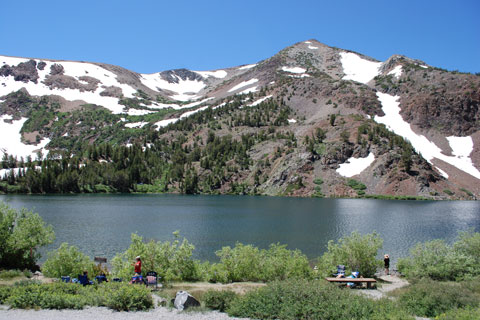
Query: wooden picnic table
[368, 281]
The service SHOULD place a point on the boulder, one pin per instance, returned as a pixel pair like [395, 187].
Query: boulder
[184, 300]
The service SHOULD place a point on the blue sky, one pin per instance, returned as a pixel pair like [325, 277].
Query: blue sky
[150, 36]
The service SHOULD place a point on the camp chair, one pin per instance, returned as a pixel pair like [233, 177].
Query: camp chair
[340, 270]
[101, 279]
[152, 279]
[66, 279]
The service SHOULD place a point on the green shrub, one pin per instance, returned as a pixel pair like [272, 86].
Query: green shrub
[218, 300]
[9, 274]
[318, 181]
[356, 252]
[171, 260]
[49, 296]
[4, 293]
[67, 261]
[461, 314]
[437, 260]
[249, 263]
[430, 298]
[303, 299]
[129, 298]
[117, 296]
[22, 232]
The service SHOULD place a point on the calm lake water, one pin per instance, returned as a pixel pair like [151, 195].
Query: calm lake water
[101, 225]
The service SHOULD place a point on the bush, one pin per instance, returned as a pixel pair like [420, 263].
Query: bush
[356, 252]
[430, 298]
[303, 299]
[117, 296]
[4, 294]
[461, 314]
[218, 300]
[171, 260]
[9, 274]
[437, 260]
[67, 261]
[249, 263]
[129, 298]
[21, 234]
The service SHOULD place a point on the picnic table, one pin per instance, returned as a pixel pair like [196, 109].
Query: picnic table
[368, 281]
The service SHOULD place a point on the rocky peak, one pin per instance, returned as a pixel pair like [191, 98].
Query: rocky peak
[173, 76]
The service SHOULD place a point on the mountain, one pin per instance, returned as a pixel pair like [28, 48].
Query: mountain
[312, 120]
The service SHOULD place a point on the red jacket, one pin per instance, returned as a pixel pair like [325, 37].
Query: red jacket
[138, 267]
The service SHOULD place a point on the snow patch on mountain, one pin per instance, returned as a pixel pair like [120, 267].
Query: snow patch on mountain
[138, 112]
[136, 124]
[312, 47]
[443, 173]
[11, 141]
[75, 70]
[397, 71]
[461, 146]
[257, 102]
[358, 69]
[248, 90]
[220, 74]
[243, 84]
[248, 66]
[164, 123]
[294, 69]
[184, 90]
[354, 166]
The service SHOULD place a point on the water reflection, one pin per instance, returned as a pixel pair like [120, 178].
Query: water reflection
[102, 224]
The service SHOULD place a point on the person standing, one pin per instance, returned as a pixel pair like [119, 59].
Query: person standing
[138, 266]
[386, 260]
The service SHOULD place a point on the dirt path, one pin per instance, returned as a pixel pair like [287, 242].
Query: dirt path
[391, 283]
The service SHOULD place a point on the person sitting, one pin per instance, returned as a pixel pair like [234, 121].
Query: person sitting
[83, 279]
[354, 275]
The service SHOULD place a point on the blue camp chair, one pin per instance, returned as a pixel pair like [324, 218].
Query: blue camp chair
[66, 279]
[101, 279]
[340, 270]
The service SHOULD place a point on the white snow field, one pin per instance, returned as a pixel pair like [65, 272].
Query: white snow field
[243, 84]
[257, 102]
[164, 123]
[294, 69]
[136, 124]
[185, 90]
[248, 66]
[248, 90]
[462, 146]
[138, 112]
[443, 173]
[312, 47]
[358, 69]
[11, 141]
[397, 71]
[354, 166]
[220, 74]
[73, 69]
[292, 121]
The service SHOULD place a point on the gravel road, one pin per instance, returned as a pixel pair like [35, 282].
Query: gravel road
[102, 313]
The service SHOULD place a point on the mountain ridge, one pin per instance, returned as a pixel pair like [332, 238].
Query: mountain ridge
[312, 80]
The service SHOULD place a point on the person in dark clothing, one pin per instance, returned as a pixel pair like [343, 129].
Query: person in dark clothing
[386, 260]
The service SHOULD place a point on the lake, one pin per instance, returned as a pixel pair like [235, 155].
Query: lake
[101, 225]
